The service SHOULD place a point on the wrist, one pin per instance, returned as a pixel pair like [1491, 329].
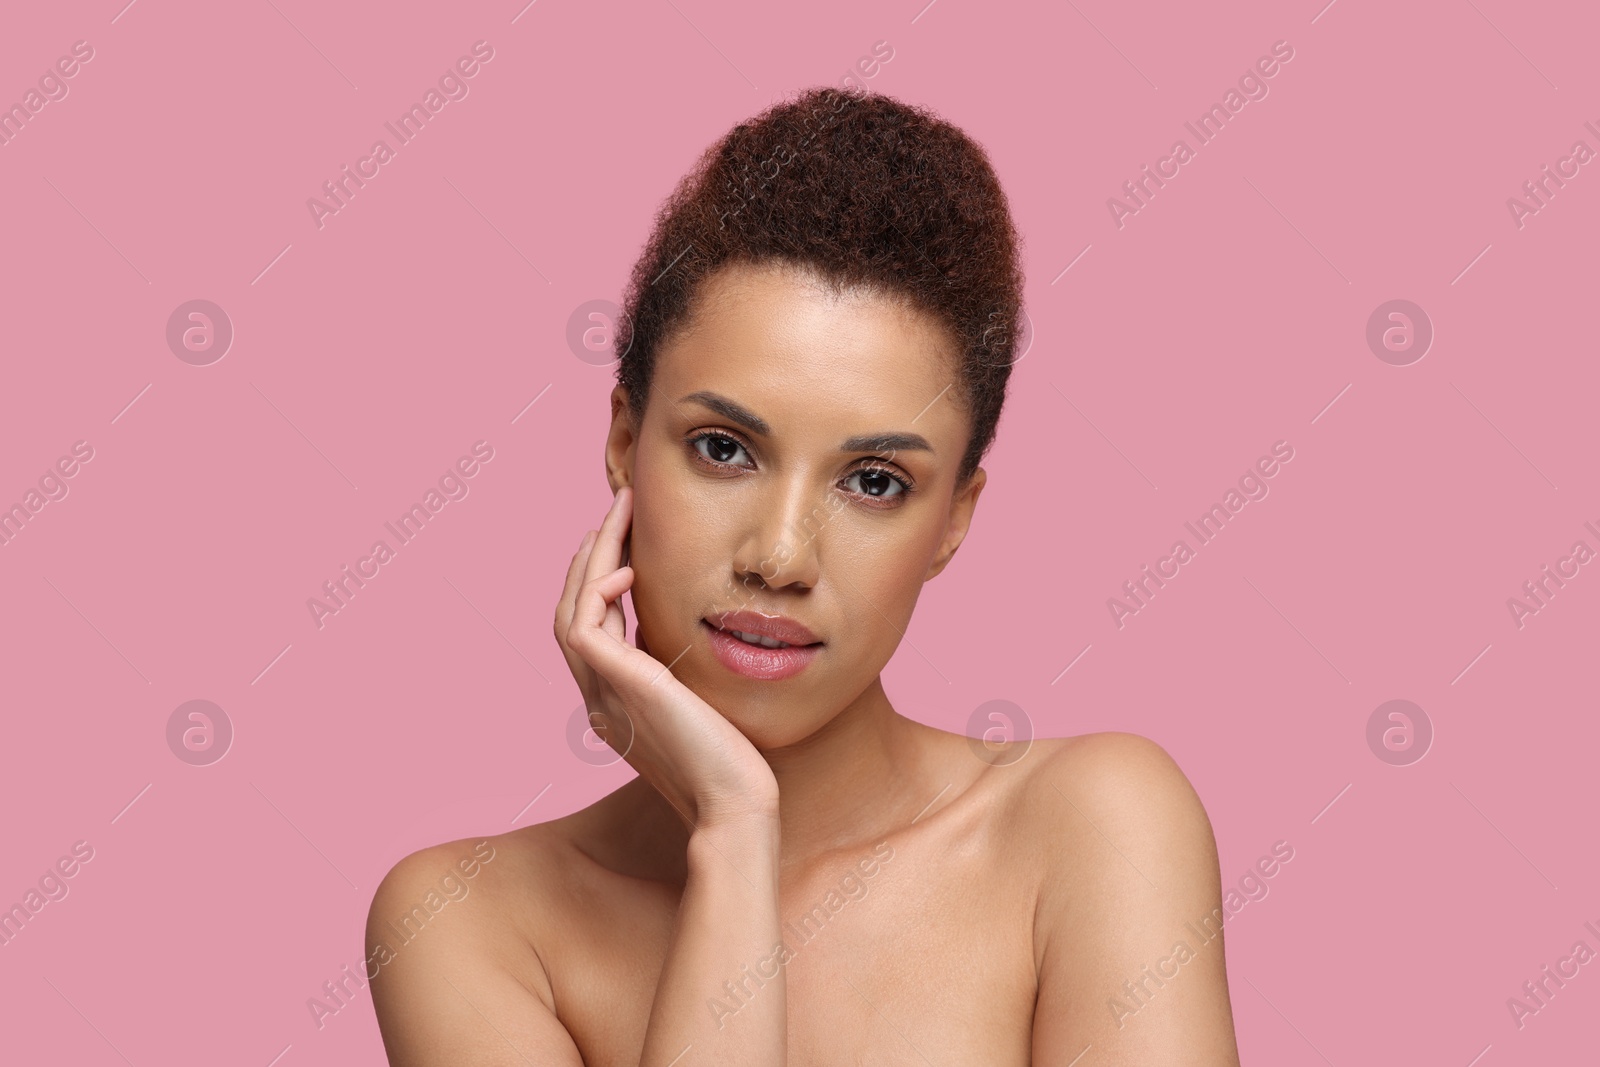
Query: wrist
[750, 807]
[752, 830]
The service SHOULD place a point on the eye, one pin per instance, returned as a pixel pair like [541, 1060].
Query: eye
[884, 487]
[717, 448]
[879, 483]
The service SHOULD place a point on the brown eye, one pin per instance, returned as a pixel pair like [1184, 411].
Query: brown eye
[717, 447]
[879, 484]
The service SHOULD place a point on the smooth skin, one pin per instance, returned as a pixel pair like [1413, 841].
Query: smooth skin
[800, 875]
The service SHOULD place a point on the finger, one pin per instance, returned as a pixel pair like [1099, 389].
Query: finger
[606, 555]
[592, 637]
[573, 581]
[569, 589]
[594, 599]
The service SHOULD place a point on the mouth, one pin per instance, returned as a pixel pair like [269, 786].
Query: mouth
[762, 647]
[767, 631]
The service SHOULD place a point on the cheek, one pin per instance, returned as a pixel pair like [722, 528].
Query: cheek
[877, 577]
[655, 554]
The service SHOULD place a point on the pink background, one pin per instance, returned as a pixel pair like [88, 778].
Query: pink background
[1226, 315]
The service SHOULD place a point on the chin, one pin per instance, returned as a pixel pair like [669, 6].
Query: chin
[770, 714]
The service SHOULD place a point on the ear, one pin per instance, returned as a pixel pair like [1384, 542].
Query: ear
[620, 442]
[961, 508]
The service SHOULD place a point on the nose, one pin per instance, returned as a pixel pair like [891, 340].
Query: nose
[780, 546]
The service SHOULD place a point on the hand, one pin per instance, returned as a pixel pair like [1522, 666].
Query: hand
[696, 759]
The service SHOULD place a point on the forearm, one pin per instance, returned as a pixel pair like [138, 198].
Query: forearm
[715, 996]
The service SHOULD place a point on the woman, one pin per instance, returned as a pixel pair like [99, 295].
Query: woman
[816, 344]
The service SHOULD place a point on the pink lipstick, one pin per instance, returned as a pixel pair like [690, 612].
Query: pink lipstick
[762, 647]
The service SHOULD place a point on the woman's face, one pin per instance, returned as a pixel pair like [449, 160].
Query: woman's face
[797, 458]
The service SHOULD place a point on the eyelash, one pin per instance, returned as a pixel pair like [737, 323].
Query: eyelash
[907, 485]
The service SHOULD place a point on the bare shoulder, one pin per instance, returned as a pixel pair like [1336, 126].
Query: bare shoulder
[1119, 779]
[1095, 815]
[1118, 832]
[450, 941]
[449, 873]
[1129, 896]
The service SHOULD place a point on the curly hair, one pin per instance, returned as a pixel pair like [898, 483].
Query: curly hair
[867, 193]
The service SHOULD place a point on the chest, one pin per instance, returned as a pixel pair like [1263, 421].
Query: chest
[928, 958]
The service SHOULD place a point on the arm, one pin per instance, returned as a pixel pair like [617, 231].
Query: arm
[451, 994]
[1129, 921]
[727, 931]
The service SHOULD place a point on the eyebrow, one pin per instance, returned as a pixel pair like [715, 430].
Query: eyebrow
[888, 441]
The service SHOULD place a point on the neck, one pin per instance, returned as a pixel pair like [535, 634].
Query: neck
[870, 769]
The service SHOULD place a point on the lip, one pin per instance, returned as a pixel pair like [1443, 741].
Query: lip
[754, 661]
[776, 627]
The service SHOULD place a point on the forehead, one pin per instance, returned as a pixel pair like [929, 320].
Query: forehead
[781, 342]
